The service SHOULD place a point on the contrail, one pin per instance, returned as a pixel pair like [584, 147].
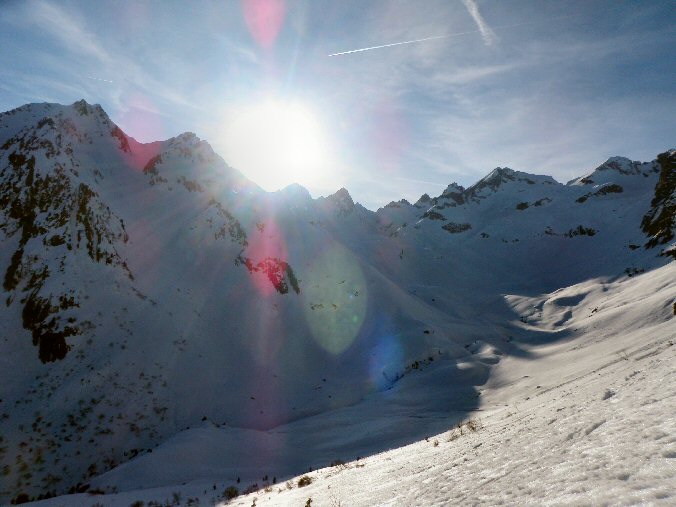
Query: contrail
[99, 79]
[404, 42]
[486, 32]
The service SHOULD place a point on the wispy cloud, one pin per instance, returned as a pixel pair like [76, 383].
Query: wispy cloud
[486, 32]
[424, 182]
[87, 50]
[67, 29]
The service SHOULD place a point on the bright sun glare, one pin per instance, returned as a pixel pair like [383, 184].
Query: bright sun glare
[276, 143]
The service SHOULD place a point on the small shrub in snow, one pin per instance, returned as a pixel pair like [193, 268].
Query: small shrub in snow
[251, 489]
[454, 228]
[304, 481]
[581, 231]
[472, 425]
[20, 498]
[230, 493]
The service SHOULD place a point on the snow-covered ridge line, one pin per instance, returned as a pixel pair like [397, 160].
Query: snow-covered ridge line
[492, 181]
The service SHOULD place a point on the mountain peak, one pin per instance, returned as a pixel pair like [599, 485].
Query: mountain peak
[342, 200]
[296, 190]
[453, 188]
[453, 192]
[397, 204]
[83, 108]
[501, 175]
[342, 195]
[425, 200]
[614, 167]
[621, 165]
[186, 140]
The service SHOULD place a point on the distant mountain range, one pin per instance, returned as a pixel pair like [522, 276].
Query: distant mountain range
[149, 288]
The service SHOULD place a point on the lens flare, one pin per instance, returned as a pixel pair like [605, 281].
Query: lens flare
[266, 242]
[264, 18]
[335, 299]
[389, 136]
[142, 118]
[385, 362]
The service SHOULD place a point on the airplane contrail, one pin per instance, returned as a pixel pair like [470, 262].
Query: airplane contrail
[447, 36]
[99, 79]
[486, 32]
[404, 42]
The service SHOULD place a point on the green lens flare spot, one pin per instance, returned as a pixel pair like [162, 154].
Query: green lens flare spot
[335, 299]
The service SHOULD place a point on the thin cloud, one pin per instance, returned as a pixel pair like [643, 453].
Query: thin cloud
[486, 32]
[416, 180]
[67, 30]
[72, 33]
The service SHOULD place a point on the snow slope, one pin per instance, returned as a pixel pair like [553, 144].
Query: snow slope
[584, 421]
[167, 321]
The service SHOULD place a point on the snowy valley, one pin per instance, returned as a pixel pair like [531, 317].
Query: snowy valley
[173, 334]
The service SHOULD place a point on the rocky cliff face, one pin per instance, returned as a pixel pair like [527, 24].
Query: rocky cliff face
[659, 223]
[50, 216]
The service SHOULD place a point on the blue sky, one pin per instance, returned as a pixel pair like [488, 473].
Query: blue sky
[549, 87]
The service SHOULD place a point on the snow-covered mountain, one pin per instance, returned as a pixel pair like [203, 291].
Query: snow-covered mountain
[158, 305]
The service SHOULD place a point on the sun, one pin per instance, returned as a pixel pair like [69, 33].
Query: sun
[276, 143]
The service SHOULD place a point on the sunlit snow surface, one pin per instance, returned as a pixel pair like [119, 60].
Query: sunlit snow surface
[586, 421]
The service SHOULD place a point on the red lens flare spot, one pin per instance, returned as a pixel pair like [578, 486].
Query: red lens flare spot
[389, 136]
[142, 122]
[264, 18]
[268, 254]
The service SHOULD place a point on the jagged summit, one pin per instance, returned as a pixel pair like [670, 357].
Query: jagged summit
[453, 188]
[614, 167]
[295, 191]
[83, 108]
[424, 200]
[79, 122]
[502, 175]
[622, 165]
[397, 204]
[188, 144]
[342, 198]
